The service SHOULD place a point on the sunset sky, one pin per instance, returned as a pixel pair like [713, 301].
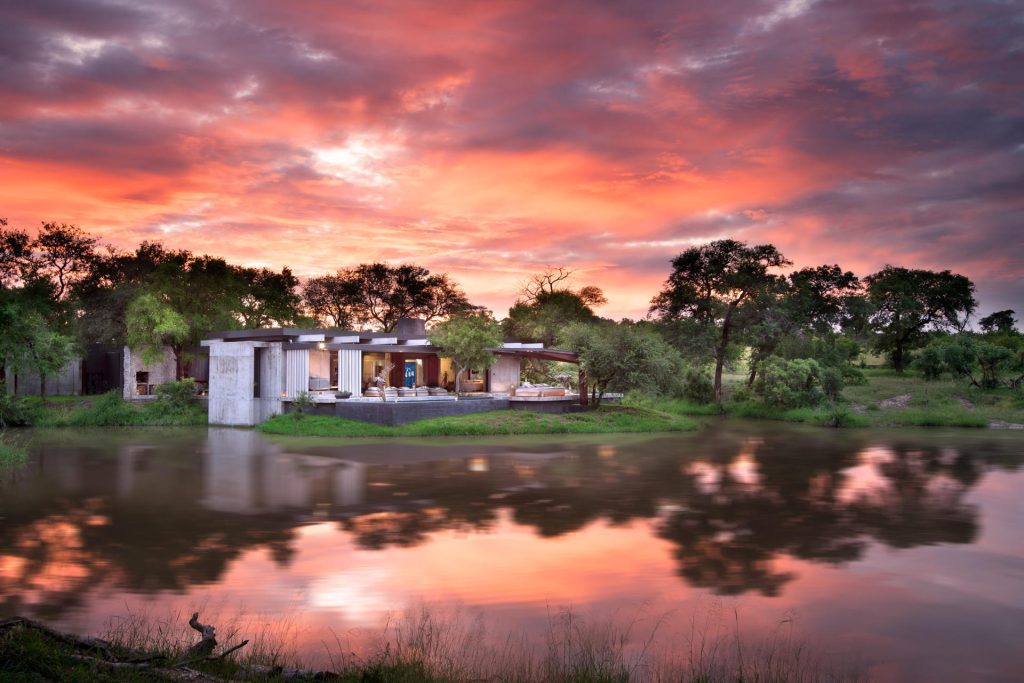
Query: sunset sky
[488, 138]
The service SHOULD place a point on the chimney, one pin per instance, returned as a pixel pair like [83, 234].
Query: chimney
[411, 328]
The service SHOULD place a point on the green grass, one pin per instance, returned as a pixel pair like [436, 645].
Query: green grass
[945, 403]
[672, 406]
[110, 410]
[825, 416]
[933, 403]
[12, 453]
[607, 419]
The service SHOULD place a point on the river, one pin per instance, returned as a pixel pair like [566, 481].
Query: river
[901, 552]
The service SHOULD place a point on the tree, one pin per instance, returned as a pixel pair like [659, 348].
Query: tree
[907, 303]
[1000, 322]
[113, 281]
[714, 284]
[621, 356]
[547, 304]
[33, 315]
[15, 248]
[546, 282]
[181, 302]
[979, 361]
[59, 253]
[63, 253]
[152, 325]
[33, 337]
[468, 339]
[543, 319]
[268, 298]
[333, 299]
[378, 294]
[811, 301]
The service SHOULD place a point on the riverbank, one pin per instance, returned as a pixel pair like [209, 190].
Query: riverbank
[886, 399]
[12, 453]
[104, 410]
[421, 648]
[604, 420]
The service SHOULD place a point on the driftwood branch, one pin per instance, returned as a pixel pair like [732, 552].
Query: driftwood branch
[204, 648]
[111, 658]
[228, 651]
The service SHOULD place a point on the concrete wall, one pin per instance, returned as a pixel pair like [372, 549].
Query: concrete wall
[566, 406]
[231, 383]
[271, 383]
[403, 412]
[244, 474]
[505, 373]
[65, 382]
[161, 372]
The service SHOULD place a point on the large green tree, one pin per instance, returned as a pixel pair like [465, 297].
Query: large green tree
[809, 302]
[115, 279]
[547, 303]
[186, 297]
[715, 285]
[268, 298]
[908, 303]
[468, 339]
[35, 273]
[1000, 322]
[379, 294]
[621, 356]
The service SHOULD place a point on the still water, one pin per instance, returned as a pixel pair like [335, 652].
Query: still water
[903, 549]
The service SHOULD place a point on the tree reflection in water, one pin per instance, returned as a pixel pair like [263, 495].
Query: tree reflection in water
[147, 518]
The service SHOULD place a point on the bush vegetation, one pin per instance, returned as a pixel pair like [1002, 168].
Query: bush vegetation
[172, 407]
[18, 411]
[789, 384]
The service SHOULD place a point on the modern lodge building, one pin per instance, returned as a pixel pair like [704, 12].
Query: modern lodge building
[255, 374]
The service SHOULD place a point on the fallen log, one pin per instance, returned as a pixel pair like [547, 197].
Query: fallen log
[111, 658]
[81, 642]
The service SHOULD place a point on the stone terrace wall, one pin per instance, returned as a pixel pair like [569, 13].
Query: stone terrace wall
[403, 412]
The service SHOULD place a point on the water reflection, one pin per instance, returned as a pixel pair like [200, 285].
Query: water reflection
[155, 515]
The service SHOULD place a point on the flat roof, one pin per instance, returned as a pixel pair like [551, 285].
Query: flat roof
[291, 337]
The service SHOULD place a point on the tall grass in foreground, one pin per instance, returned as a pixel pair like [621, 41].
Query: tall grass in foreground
[431, 645]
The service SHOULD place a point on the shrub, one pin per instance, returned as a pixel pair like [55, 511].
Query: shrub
[109, 410]
[832, 382]
[981, 362]
[789, 384]
[741, 394]
[302, 405]
[18, 411]
[853, 375]
[841, 416]
[930, 362]
[176, 396]
[695, 385]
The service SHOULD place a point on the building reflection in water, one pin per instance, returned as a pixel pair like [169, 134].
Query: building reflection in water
[243, 473]
[719, 513]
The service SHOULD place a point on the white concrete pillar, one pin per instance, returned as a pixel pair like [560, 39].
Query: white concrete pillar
[350, 371]
[296, 371]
